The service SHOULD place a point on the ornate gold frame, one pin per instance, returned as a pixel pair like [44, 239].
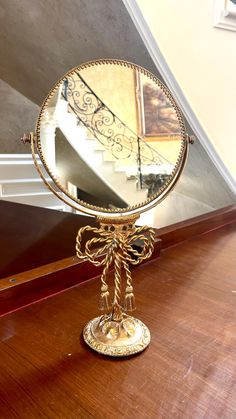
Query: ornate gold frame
[115, 333]
[135, 209]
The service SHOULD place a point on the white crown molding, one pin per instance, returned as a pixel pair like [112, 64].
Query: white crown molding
[158, 59]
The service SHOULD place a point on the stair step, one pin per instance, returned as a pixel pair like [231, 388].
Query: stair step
[98, 158]
[23, 186]
[35, 181]
[12, 170]
[45, 199]
[107, 156]
[15, 157]
[20, 182]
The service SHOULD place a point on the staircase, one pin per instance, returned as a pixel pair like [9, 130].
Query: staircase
[105, 166]
[97, 158]
[20, 182]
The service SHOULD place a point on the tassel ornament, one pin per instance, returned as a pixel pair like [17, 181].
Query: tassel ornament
[104, 298]
[129, 299]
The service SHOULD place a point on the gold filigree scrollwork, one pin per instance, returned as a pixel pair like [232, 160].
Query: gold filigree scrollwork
[117, 249]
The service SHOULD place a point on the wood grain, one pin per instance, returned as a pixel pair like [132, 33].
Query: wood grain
[30, 286]
[186, 297]
[31, 237]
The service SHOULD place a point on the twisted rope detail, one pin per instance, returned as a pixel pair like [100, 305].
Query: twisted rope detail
[116, 248]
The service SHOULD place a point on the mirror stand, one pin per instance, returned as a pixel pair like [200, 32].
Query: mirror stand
[112, 151]
[115, 333]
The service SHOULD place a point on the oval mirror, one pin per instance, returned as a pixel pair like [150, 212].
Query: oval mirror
[112, 138]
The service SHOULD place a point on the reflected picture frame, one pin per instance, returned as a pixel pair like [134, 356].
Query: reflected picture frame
[152, 102]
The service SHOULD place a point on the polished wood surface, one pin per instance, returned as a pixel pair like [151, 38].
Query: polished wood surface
[27, 287]
[32, 236]
[202, 224]
[187, 298]
[32, 285]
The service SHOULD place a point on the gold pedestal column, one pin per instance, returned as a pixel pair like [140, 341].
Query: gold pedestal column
[115, 333]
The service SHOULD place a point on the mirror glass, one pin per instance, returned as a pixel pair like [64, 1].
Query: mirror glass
[111, 134]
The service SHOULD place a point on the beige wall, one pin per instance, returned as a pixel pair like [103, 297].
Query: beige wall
[121, 82]
[203, 61]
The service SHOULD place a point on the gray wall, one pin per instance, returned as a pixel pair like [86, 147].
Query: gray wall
[17, 115]
[41, 40]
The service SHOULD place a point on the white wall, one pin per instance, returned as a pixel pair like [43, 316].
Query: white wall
[203, 60]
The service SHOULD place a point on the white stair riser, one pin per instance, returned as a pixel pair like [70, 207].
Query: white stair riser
[18, 171]
[18, 188]
[4, 158]
[36, 200]
[117, 180]
[106, 170]
[96, 156]
[20, 182]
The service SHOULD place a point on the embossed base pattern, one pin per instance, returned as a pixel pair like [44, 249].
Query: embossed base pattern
[116, 338]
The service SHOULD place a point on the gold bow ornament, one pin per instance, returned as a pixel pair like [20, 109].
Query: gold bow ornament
[114, 247]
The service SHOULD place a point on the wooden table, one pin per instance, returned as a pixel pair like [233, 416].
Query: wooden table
[187, 298]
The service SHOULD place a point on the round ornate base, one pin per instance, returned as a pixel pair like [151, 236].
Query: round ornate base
[116, 338]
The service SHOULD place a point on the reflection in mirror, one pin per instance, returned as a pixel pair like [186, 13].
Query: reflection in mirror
[111, 135]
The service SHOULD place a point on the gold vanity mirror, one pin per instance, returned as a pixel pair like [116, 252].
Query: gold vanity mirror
[112, 138]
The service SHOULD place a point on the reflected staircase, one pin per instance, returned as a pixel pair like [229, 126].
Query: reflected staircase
[98, 158]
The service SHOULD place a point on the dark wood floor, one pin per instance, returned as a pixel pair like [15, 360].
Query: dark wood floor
[188, 300]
